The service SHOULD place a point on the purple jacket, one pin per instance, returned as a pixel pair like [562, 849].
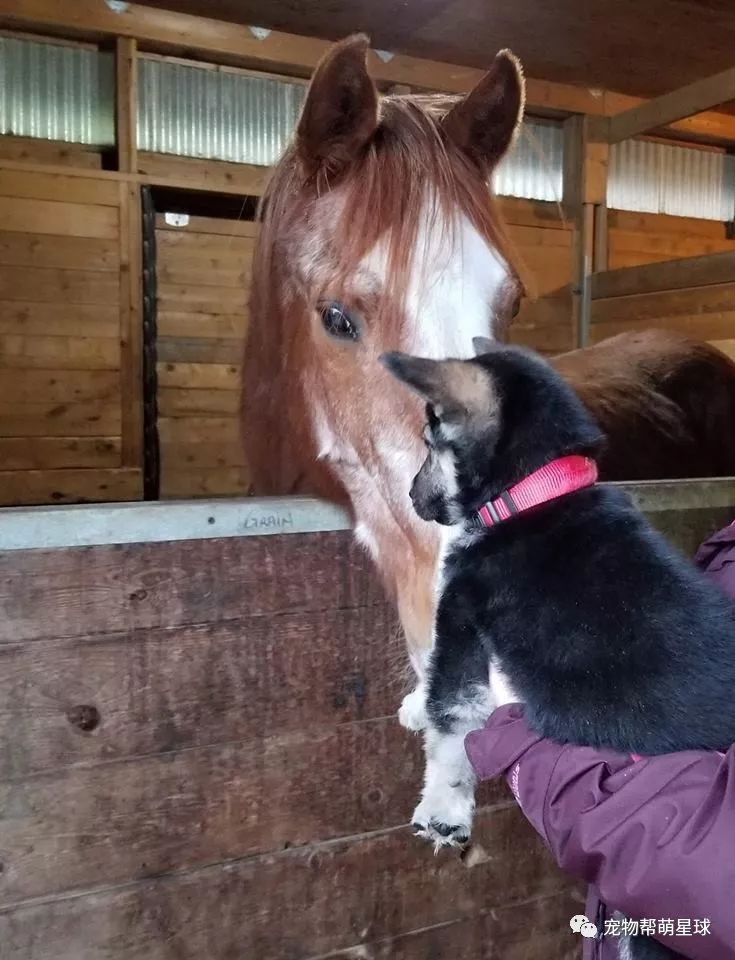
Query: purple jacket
[655, 837]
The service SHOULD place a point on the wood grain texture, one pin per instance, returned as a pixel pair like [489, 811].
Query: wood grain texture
[51, 285]
[30, 487]
[57, 217]
[150, 815]
[53, 152]
[161, 690]
[78, 253]
[59, 418]
[98, 589]
[57, 187]
[277, 905]
[59, 353]
[16, 453]
[59, 319]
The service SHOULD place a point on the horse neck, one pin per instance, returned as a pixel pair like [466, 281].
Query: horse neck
[405, 551]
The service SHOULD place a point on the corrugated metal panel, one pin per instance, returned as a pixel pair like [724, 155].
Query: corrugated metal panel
[56, 92]
[216, 114]
[656, 177]
[534, 167]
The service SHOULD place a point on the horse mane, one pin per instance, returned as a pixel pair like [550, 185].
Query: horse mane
[385, 194]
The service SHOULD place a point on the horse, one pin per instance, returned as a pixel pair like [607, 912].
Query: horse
[380, 232]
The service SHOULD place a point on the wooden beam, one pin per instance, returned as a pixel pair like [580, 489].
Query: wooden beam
[677, 105]
[667, 275]
[131, 325]
[217, 41]
[126, 103]
[585, 190]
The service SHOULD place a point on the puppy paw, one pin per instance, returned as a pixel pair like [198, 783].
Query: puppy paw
[412, 714]
[445, 819]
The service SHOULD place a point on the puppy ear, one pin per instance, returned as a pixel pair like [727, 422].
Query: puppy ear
[340, 113]
[458, 390]
[483, 345]
[484, 123]
[423, 376]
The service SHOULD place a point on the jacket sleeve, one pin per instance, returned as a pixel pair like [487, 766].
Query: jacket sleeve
[655, 836]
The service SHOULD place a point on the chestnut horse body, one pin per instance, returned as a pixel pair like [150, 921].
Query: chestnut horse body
[379, 232]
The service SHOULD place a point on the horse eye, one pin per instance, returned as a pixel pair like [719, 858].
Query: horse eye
[337, 322]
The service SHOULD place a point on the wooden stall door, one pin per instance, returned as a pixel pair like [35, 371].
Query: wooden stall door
[68, 354]
[203, 280]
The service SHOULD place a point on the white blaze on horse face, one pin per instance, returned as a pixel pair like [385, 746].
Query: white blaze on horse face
[455, 282]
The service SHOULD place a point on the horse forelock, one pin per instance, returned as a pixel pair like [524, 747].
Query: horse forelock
[407, 171]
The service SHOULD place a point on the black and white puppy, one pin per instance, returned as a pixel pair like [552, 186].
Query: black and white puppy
[609, 637]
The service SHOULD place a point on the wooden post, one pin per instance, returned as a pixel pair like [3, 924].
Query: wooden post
[585, 190]
[131, 328]
[126, 104]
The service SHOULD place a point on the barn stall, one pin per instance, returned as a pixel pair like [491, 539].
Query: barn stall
[199, 751]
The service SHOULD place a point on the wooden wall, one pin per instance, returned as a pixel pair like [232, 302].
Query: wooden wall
[64, 313]
[203, 761]
[203, 283]
[543, 239]
[695, 293]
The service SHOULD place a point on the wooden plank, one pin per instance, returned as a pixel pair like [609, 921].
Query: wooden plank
[183, 456]
[21, 215]
[63, 386]
[207, 271]
[536, 929]
[716, 325]
[669, 275]
[131, 324]
[195, 350]
[87, 590]
[533, 213]
[126, 103]
[282, 904]
[181, 402]
[171, 323]
[59, 353]
[53, 419]
[697, 300]
[29, 250]
[196, 429]
[28, 150]
[178, 483]
[44, 453]
[247, 797]
[658, 223]
[667, 109]
[208, 684]
[216, 175]
[27, 487]
[55, 186]
[199, 376]
[59, 319]
[209, 225]
[202, 299]
[51, 284]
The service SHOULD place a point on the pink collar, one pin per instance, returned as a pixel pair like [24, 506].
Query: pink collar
[553, 480]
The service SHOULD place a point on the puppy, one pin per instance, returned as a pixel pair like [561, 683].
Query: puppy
[550, 586]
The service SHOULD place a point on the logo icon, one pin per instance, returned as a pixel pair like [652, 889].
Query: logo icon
[583, 925]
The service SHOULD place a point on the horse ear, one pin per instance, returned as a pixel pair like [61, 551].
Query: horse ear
[341, 109]
[484, 123]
